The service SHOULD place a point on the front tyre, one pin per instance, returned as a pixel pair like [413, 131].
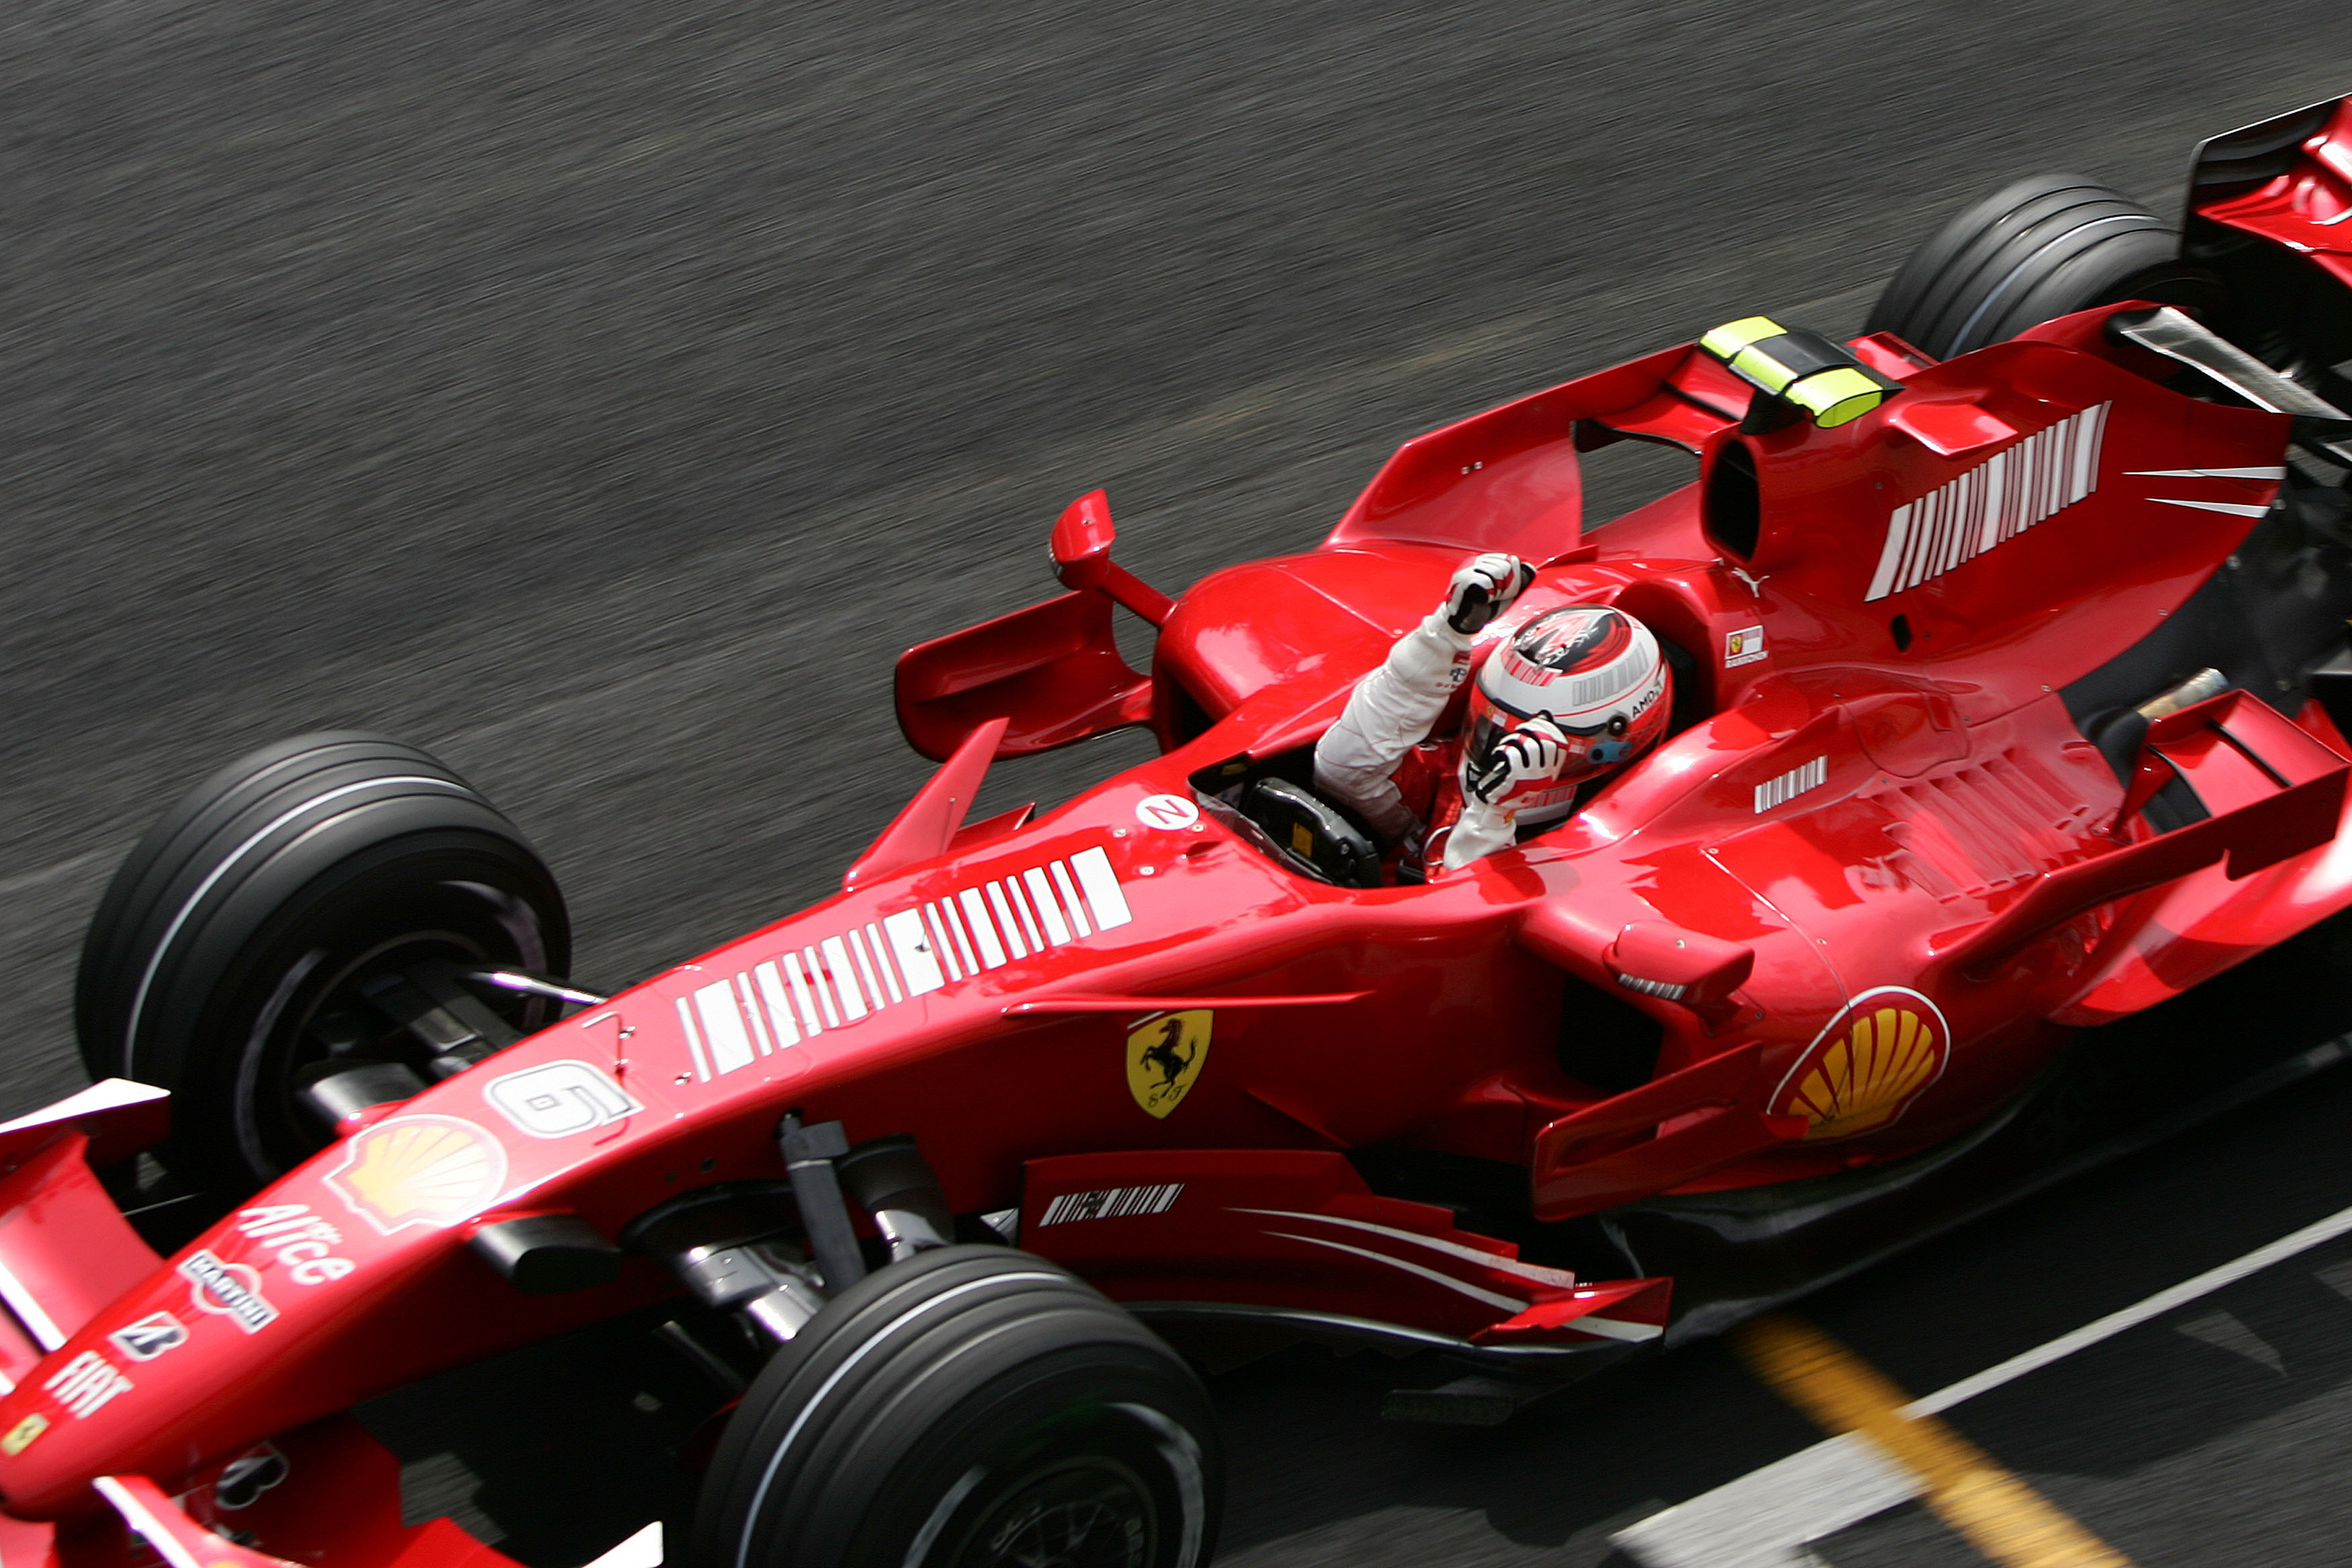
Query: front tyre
[972, 1408]
[253, 917]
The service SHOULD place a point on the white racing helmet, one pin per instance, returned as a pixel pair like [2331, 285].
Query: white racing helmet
[1594, 671]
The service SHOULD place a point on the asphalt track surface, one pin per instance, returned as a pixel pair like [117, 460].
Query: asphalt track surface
[600, 395]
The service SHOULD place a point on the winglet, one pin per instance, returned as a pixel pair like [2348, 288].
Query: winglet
[931, 818]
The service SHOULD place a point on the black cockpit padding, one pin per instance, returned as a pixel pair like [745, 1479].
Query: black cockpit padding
[1312, 834]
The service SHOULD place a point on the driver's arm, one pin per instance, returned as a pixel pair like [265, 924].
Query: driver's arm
[1392, 709]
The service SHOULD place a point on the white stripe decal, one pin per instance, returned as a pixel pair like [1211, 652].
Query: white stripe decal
[866, 969]
[1058, 931]
[1788, 785]
[751, 1011]
[2235, 509]
[1493, 1299]
[1095, 875]
[962, 941]
[1113, 1203]
[845, 979]
[984, 931]
[1011, 927]
[151, 1530]
[780, 1008]
[778, 1003]
[939, 943]
[1020, 901]
[882, 959]
[1613, 1329]
[1535, 1271]
[1070, 902]
[723, 1027]
[912, 948]
[2274, 473]
[30, 1312]
[1991, 503]
[812, 1021]
[693, 1046]
[817, 986]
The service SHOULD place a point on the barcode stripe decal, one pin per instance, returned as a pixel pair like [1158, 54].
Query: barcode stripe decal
[882, 959]
[722, 1027]
[837, 969]
[693, 1040]
[1020, 902]
[983, 930]
[1071, 904]
[1793, 784]
[810, 1022]
[1111, 1203]
[913, 951]
[1993, 502]
[1011, 927]
[751, 1011]
[1101, 884]
[780, 1008]
[866, 971]
[816, 967]
[962, 941]
[797, 994]
[939, 943]
[1058, 931]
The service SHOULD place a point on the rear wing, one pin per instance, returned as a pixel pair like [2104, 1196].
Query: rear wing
[2270, 212]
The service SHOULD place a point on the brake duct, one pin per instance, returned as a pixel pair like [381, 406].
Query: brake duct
[729, 1245]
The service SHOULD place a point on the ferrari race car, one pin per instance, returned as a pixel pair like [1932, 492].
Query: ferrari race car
[2011, 696]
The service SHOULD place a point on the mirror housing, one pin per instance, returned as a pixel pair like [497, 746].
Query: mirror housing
[1677, 965]
[1081, 546]
[1082, 541]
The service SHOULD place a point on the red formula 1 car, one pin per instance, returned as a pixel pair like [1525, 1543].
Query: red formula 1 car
[2009, 672]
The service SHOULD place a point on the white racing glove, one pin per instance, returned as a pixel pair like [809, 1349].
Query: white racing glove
[1483, 590]
[1530, 755]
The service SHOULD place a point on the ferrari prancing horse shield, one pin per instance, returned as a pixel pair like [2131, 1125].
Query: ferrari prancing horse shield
[1164, 1054]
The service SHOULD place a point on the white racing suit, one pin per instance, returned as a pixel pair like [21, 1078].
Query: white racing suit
[1388, 714]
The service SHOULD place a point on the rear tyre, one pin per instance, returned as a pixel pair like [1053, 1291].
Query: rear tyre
[2038, 249]
[258, 907]
[972, 1408]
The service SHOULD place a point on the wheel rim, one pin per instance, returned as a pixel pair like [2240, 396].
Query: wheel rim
[314, 982]
[1092, 1512]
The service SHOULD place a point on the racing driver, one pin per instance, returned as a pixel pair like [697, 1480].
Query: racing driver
[1579, 691]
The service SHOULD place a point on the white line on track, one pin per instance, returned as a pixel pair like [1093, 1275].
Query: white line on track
[1765, 1519]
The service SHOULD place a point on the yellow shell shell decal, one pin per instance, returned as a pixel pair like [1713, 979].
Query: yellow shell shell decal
[419, 1170]
[1868, 1066]
[1164, 1054]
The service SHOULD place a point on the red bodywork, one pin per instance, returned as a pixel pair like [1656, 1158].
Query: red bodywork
[1864, 896]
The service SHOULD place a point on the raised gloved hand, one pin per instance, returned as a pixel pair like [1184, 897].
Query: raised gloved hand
[1530, 755]
[1484, 589]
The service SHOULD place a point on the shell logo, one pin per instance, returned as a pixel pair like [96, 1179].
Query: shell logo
[1868, 1066]
[419, 1170]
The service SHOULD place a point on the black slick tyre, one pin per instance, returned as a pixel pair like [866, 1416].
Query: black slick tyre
[972, 1408]
[260, 902]
[2041, 248]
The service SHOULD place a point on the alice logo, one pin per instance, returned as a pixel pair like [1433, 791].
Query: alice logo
[1868, 1066]
[1164, 1053]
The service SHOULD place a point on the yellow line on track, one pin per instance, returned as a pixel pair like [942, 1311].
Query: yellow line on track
[2001, 1516]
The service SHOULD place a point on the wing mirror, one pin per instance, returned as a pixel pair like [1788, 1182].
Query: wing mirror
[1082, 541]
[1081, 547]
[1677, 965]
